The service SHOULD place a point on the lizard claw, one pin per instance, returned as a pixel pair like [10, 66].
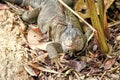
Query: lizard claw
[53, 50]
[57, 62]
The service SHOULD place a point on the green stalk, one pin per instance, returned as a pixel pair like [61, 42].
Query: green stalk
[101, 11]
[97, 25]
[103, 19]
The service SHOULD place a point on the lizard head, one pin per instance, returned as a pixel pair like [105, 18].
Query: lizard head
[72, 39]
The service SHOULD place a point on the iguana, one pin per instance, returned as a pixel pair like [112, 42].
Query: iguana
[63, 27]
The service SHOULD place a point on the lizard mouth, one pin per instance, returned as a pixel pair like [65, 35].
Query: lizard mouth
[69, 46]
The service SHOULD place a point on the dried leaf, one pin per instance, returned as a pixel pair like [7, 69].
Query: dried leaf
[3, 7]
[77, 65]
[92, 78]
[68, 72]
[42, 57]
[118, 38]
[108, 63]
[115, 76]
[34, 37]
[94, 71]
[36, 40]
[112, 70]
[50, 77]
[38, 67]
[108, 3]
[30, 70]
[37, 31]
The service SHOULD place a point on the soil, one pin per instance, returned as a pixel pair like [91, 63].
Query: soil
[12, 58]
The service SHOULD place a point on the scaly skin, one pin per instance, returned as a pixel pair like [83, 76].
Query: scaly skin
[61, 25]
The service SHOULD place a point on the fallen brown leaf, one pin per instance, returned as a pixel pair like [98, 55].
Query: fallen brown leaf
[77, 65]
[34, 37]
[3, 7]
[38, 67]
[108, 63]
[30, 70]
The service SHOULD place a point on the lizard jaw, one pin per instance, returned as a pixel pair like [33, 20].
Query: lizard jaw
[69, 47]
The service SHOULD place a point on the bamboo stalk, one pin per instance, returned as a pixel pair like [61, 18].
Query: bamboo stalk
[103, 18]
[97, 25]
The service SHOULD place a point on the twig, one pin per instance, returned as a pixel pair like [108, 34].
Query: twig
[103, 75]
[115, 23]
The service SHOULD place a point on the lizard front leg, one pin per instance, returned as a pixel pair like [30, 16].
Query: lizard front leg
[54, 49]
[31, 16]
